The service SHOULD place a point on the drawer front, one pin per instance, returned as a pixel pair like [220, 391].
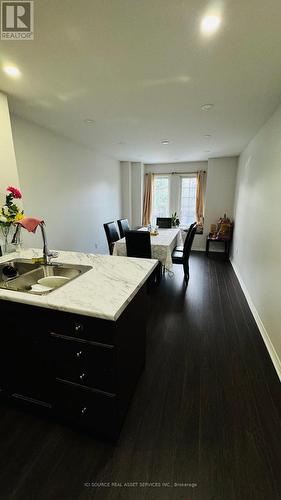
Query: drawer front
[96, 411]
[82, 327]
[91, 365]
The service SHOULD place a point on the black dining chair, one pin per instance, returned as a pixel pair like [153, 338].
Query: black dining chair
[180, 247]
[164, 222]
[183, 257]
[112, 235]
[123, 225]
[138, 244]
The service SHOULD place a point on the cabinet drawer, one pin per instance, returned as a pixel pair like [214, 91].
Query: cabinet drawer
[84, 363]
[92, 410]
[82, 327]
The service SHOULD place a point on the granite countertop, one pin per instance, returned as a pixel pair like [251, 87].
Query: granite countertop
[103, 292]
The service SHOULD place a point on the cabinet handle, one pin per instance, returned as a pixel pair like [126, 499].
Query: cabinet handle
[79, 354]
[82, 376]
[78, 328]
[83, 411]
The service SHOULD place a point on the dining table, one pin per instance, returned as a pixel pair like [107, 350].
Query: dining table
[162, 245]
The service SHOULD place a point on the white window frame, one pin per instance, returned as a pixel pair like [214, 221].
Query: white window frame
[162, 176]
[175, 191]
[181, 177]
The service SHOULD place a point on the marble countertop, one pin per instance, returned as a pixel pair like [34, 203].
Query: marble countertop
[103, 292]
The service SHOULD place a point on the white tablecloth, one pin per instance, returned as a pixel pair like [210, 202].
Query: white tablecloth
[162, 245]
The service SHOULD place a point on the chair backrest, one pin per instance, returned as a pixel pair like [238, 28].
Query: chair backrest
[111, 234]
[188, 243]
[188, 232]
[164, 222]
[123, 225]
[138, 244]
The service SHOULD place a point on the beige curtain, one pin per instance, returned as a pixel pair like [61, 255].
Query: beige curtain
[200, 197]
[147, 199]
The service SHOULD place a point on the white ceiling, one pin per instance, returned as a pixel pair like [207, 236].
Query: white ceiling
[141, 69]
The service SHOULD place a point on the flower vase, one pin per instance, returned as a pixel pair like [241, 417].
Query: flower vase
[7, 236]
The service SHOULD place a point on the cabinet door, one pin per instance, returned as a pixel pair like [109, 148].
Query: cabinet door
[6, 347]
[25, 369]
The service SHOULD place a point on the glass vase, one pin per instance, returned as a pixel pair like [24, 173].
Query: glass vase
[6, 237]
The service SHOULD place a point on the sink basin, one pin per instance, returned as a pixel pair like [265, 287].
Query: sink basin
[22, 266]
[29, 273]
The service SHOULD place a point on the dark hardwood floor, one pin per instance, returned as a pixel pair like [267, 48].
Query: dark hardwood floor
[206, 413]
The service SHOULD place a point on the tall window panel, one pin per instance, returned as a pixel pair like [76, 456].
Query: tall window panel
[188, 200]
[161, 197]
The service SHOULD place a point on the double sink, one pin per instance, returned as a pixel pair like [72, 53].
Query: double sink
[26, 273]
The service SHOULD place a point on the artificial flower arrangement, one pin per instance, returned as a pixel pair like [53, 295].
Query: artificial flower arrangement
[10, 212]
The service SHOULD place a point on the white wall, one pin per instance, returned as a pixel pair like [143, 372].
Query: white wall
[74, 190]
[132, 191]
[219, 189]
[8, 166]
[257, 236]
[126, 189]
[166, 168]
[137, 193]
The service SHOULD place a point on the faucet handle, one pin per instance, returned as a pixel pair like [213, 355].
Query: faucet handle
[53, 254]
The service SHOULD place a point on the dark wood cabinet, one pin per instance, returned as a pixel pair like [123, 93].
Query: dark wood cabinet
[82, 369]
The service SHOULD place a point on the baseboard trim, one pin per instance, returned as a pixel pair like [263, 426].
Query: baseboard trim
[271, 350]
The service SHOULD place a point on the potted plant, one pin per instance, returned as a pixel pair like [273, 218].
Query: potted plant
[175, 220]
[10, 213]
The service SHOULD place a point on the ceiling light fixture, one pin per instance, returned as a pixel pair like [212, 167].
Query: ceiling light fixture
[165, 142]
[210, 24]
[207, 136]
[12, 71]
[206, 107]
[89, 121]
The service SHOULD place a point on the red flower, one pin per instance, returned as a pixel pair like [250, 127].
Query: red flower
[15, 192]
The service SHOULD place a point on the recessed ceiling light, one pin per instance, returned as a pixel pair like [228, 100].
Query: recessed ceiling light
[12, 71]
[165, 142]
[89, 121]
[206, 107]
[210, 24]
[207, 136]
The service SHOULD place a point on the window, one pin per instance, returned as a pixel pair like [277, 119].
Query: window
[188, 200]
[175, 193]
[161, 197]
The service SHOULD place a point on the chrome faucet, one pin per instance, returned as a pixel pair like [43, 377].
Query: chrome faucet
[47, 254]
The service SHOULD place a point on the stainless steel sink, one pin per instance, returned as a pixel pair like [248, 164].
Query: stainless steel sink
[21, 266]
[28, 274]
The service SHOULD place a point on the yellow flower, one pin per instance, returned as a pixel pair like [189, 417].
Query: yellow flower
[19, 216]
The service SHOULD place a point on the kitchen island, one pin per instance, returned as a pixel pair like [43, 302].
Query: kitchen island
[77, 352]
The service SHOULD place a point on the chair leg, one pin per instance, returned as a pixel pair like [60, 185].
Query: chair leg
[186, 276]
[158, 273]
[186, 272]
